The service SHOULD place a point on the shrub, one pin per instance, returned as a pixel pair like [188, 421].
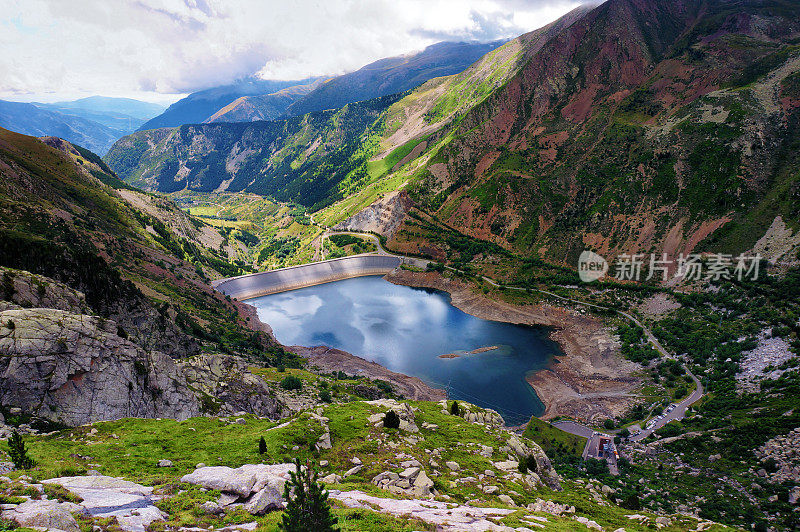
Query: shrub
[325, 396]
[262, 445]
[455, 409]
[631, 502]
[391, 420]
[290, 382]
[307, 503]
[608, 424]
[11, 325]
[18, 453]
[384, 387]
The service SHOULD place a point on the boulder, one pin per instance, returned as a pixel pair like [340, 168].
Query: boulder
[505, 499]
[264, 500]
[103, 496]
[353, 470]
[46, 514]
[210, 507]
[453, 466]
[223, 479]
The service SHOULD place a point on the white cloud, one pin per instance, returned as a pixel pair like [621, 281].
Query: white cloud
[57, 48]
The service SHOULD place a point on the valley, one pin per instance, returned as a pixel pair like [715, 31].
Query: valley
[545, 281]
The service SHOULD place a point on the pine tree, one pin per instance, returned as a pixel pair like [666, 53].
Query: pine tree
[16, 449]
[391, 420]
[455, 409]
[262, 445]
[308, 509]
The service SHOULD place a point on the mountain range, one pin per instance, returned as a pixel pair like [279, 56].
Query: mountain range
[94, 122]
[252, 100]
[633, 126]
[587, 131]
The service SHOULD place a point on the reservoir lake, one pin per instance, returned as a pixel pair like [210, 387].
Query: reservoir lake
[407, 329]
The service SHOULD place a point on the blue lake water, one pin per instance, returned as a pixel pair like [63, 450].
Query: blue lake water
[406, 329]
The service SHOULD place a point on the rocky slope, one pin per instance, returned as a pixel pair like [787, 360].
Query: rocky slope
[63, 219]
[642, 126]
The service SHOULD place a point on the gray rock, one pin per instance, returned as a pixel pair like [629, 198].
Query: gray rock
[353, 470]
[103, 496]
[505, 499]
[227, 498]
[222, 478]
[453, 466]
[210, 507]
[265, 500]
[165, 463]
[47, 514]
[74, 369]
[410, 472]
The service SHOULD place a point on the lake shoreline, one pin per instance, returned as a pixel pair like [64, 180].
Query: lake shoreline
[590, 382]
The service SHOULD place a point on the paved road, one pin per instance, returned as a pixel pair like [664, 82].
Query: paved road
[574, 428]
[678, 413]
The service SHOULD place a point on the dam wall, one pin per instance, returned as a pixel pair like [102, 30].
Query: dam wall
[293, 277]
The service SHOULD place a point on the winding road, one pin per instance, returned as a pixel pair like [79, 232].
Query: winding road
[679, 412]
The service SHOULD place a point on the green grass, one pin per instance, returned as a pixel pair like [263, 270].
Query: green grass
[552, 439]
[131, 448]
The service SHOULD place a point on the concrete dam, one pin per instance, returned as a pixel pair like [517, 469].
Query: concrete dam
[293, 277]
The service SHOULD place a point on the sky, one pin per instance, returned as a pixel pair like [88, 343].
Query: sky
[160, 50]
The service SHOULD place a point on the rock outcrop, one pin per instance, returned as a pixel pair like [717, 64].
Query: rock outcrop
[384, 216]
[129, 503]
[75, 368]
[19, 288]
[258, 488]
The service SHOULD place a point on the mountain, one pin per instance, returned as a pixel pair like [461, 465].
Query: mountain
[642, 126]
[30, 119]
[262, 106]
[381, 78]
[112, 106]
[121, 115]
[319, 157]
[66, 216]
[392, 75]
[199, 106]
[636, 124]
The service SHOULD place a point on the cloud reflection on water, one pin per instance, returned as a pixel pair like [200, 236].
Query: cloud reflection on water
[406, 330]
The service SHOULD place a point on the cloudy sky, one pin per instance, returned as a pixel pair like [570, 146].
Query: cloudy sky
[159, 49]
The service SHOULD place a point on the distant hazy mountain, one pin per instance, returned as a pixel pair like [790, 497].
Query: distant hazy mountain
[30, 119]
[103, 104]
[392, 75]
[199, 106]
[122, 115]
